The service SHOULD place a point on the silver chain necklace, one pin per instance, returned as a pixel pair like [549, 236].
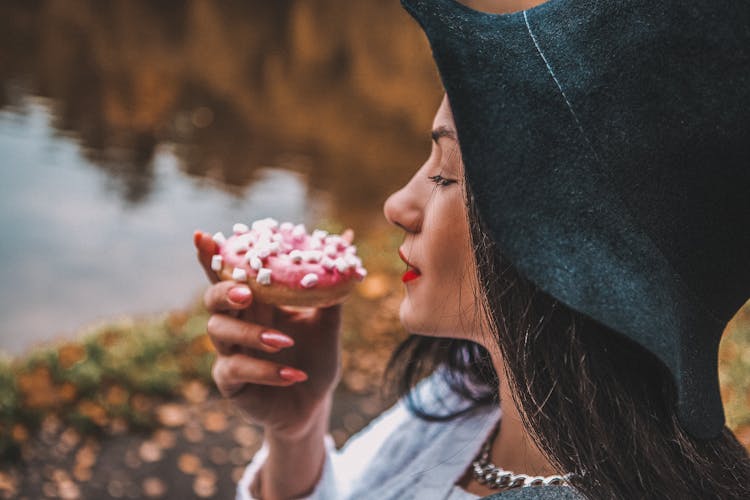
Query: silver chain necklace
[497, 478]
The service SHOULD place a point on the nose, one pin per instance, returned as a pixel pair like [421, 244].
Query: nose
[403, 210]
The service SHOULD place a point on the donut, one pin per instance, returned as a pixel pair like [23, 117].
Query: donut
[284, 265]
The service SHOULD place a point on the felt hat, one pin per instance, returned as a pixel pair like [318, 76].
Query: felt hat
[607, 146]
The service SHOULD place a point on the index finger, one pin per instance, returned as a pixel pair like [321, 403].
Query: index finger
[206, 247]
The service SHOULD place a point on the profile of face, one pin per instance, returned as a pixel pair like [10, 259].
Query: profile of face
[441, 286]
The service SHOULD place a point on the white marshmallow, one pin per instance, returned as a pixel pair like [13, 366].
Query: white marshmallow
[237, 247]
[267, 224]
[309, 280]
[296, 256]
[220, 238]
[264, 251]
[286, 227]
[274, 247]
[332, 240]
[239, 274]
[352, 260]
[299, 232]
[264, 276]
[330, 250]
[277, 237]
[328, 263]
[240, 228]
[319, 234]
[350, 250]
[216, 263]
[246, 239]
[361, 272]
[254, 262]
[341, 265]
[316, 244]
[312, 255]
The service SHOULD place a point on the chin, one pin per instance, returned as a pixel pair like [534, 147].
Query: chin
[414, 322]
[408, 318]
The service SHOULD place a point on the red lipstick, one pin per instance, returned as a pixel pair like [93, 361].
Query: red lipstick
[412, 272]
[409, 275]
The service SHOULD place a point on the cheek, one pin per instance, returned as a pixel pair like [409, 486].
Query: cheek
[443, 301]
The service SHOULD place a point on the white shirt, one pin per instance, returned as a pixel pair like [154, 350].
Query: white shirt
[400, 456]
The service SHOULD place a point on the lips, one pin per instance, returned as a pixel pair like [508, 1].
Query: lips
[412, 272]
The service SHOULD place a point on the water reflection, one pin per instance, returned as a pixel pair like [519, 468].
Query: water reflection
[127, 124]
[73, 253]
[240, 83]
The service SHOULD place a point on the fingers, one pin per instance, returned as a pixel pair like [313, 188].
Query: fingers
[348, 235]
[231, 373]
[226, 333]
[206, 247]
[227, 296]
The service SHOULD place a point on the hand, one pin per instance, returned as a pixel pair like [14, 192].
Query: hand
[278, 365]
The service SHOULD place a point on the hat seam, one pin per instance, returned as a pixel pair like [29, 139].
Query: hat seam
[687, 290]
[559, 87]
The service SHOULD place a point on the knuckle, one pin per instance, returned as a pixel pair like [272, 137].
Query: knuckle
[250, 335]
[214, 296]
[216, 371]
[213, 324]
[233, 369]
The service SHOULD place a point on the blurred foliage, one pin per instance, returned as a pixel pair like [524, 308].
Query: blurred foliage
[112, 376]
[734, 374]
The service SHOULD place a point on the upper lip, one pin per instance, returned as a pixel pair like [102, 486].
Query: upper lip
[403, 257]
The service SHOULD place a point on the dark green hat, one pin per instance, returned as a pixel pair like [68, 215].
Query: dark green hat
[607, 145]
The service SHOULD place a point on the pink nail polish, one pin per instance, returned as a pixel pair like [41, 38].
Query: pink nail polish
[239, 294]
[292, 375]
[278, 340]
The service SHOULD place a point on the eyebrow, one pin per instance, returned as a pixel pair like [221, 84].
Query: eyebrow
[443, 131]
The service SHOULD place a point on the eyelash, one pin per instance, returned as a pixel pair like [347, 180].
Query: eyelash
[440, 180]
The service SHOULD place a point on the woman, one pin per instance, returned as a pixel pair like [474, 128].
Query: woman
[579, 337]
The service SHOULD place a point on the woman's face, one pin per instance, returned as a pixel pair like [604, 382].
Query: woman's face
[440, 279]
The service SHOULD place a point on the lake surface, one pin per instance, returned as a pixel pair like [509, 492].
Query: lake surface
[127, 125]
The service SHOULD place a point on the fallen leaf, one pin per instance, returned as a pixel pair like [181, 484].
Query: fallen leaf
[149, 452]
[204, 485]
[172, 415]
[188, 463]
[193, 433]
[153, 487]
[246, 435]
[215, 421]
[195, 391]
[164, 438]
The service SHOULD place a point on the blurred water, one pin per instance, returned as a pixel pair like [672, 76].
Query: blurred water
[128, 124]
[73, 251]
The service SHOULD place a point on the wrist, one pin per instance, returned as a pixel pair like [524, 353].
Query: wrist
[311, 429]
[305, 455]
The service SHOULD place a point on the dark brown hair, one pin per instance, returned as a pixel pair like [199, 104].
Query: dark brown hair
[595, 402]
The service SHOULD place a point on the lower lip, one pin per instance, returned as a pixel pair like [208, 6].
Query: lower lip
[410, 275]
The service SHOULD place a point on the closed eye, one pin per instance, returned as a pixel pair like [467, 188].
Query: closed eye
[441, 181]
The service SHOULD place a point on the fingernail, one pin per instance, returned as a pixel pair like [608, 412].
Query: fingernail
[239, 294]
[274, 339]
[292, 375]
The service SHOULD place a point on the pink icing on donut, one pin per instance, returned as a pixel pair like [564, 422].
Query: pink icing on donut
[330, 257]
